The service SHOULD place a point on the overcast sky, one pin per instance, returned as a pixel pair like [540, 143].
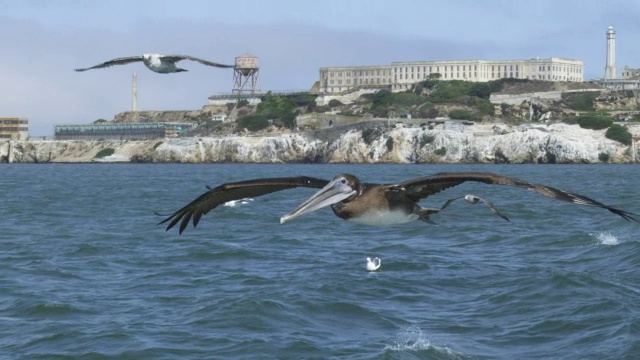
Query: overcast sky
[42, 41]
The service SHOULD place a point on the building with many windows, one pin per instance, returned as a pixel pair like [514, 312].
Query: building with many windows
[401, 76]
[629, 73]
[14, 128]
[121, 131]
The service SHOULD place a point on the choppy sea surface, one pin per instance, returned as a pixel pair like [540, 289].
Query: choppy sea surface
[85, 272]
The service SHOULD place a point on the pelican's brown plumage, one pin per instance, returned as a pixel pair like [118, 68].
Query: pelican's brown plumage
[372, 204]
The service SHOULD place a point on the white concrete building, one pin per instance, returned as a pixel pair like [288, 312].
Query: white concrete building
[14, 128]
[401, 76]
[629, 73]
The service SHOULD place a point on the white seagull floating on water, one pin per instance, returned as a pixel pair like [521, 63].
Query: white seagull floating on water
[373, 265]
[163, 64]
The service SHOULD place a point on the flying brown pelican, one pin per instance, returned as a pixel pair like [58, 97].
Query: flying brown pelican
[371, 204]
[472, 199]
[163, 64]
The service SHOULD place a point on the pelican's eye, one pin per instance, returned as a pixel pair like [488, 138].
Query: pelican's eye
[343, 181]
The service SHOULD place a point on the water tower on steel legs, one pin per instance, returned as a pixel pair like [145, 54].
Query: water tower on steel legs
[245, 75]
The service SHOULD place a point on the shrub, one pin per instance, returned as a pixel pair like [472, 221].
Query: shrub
[481, 90]
[303, 99]
[408, 99]
[253, 122]
[426, 139]
[582, 101]
[335, 102]
[463, 114]
[441, 152]
[619, 133]
[243, 102]
[389, 144]
[604, 157]
[484, 106]
[277, 108]
[431, 113]
[370, 134]
[591, 121]
[104, 153]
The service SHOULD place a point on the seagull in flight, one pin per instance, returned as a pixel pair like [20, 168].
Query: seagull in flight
[163, 64]
[472, 199]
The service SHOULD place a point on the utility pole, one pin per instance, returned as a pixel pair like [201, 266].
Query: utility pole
[134, 92]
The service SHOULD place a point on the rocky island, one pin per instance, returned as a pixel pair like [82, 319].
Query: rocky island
[435, 122]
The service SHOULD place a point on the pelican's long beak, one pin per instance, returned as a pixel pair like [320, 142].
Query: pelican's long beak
[334, 192]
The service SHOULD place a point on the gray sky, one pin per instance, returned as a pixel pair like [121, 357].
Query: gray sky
[42, 41]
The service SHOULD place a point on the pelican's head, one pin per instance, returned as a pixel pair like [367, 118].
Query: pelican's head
[373, 265]
[342, 187]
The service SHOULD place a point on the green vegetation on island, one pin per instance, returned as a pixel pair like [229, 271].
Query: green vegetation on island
[434, 98]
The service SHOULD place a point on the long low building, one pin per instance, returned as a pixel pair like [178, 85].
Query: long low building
[121, 131]
[401, 76]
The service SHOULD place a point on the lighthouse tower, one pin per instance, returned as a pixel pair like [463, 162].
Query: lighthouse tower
[610, 68]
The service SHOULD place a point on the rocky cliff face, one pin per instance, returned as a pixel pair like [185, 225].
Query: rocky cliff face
[450, 142]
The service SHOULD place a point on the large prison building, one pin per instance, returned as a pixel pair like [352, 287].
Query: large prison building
[400, 76]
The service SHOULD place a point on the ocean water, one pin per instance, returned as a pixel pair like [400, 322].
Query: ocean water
[86, 272]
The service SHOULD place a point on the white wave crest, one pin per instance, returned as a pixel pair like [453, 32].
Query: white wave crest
[412, 338]
[606, 238]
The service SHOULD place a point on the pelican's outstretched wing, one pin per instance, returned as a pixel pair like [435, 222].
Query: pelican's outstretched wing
[118, 61]
[474, 200]
[235, 191]
[175, 58]
[420, 188]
